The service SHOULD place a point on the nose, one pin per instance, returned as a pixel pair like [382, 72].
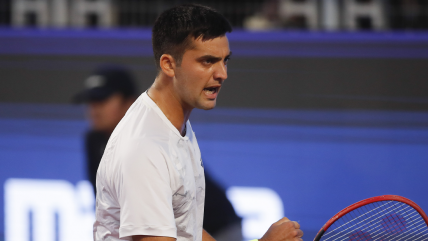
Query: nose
[220, 73]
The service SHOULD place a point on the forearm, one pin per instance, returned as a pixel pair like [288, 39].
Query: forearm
[151, 238]
[206, 236]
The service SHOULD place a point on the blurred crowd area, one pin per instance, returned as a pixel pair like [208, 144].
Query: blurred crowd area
[331, 15]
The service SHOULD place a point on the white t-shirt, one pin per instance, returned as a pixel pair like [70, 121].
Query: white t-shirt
[150, 180]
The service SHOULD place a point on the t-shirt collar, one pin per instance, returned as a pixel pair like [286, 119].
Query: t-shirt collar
[154, 106]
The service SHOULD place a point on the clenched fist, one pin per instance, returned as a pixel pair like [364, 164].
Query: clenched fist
[283, 230]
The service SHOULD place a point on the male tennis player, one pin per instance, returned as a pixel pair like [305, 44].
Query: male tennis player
[150, 182]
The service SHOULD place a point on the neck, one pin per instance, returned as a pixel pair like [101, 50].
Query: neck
[162, 93]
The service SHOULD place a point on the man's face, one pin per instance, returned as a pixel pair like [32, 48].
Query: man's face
[105, 115]
[202, 72]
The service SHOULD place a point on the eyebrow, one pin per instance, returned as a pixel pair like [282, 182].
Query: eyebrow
[214, 58]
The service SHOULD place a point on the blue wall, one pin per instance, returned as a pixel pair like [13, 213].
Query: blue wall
[317, 161]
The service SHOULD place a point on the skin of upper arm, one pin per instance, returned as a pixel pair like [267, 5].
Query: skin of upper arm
[206, 236]
[151, 238]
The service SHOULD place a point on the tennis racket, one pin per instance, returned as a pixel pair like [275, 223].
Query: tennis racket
[381, 218]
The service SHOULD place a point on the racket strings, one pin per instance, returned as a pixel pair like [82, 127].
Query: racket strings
[414, 234]
[378, 230]
[379, 221]
[387, 235]
[414, 229]
[394, 224]
[353, 220]
[377, 225]
[421, 228]
[349, 221]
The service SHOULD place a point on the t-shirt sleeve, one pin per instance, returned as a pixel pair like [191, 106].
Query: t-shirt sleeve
[145, 195]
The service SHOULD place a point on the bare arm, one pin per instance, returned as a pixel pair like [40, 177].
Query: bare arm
[151, 238]
[206, 236]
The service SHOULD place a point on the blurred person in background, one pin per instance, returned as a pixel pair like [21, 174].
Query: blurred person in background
[108, 94]
[220, 219]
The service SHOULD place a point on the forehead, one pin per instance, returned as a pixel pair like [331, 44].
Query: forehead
[216, 47]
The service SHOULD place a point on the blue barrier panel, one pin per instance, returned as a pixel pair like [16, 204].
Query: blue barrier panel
[318, 162]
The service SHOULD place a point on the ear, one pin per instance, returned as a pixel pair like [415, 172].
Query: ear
[167, 64]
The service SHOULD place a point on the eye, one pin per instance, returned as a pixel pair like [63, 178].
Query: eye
[226, 60]
[208, 61]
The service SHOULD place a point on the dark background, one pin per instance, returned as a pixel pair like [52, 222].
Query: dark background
[338, 71]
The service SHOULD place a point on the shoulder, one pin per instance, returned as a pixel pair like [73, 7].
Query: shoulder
[141, 121]
[145, 156]
[133, 148]
[141, 135]
[145, 145]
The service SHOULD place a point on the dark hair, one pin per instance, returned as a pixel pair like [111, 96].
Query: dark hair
[175, 27]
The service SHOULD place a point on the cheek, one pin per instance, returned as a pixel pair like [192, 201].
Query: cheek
[94, 113]
[191, 81]
[113, 112]
[187, 82]
[199, 79]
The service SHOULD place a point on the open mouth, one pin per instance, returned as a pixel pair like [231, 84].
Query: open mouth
[211, 90]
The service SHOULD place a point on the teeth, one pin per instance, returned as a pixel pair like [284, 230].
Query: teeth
[210, 91]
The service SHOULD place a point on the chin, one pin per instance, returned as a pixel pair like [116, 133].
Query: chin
[207, 106]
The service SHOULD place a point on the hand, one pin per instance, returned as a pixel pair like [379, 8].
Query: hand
[283, 230]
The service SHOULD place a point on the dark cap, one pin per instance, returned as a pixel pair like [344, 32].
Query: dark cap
[106, 81]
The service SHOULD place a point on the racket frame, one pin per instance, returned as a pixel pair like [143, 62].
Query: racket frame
[368, 201]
